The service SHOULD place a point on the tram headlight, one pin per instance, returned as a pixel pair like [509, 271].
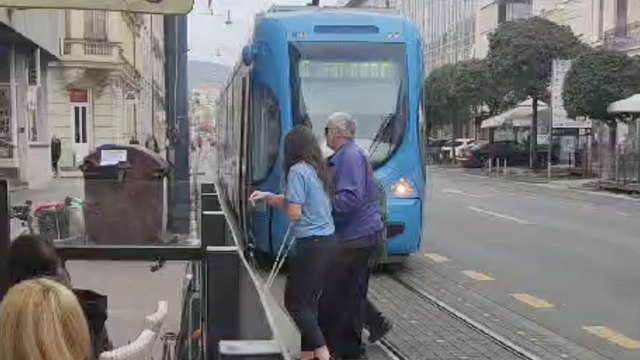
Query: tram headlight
[402, 188]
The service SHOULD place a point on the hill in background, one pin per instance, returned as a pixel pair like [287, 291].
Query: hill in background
[202, 72]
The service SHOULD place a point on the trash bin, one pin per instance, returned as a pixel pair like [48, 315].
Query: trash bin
[125, 194]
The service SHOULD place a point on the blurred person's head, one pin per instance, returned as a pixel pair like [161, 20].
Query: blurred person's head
[41, 319]
[32, 256]
[341, 128]
[300, 145]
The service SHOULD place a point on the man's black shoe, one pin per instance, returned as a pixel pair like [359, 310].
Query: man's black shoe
[379, 332]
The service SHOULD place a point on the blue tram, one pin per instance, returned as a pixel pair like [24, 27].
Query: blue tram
[303, 64]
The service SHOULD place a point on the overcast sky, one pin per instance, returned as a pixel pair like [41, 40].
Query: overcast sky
[209, 33]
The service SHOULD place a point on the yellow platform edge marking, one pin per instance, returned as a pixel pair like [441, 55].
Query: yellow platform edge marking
[436, 257]
[532, 301]
[613, 336]
[477, 276]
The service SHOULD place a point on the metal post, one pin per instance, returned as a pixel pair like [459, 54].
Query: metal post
[5, 237]
[549, 152]
[222, 297]
[214, 228]
[504, 167]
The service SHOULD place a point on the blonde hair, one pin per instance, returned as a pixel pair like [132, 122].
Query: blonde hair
[41, 319]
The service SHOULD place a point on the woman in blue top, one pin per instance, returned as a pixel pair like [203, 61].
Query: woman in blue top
[306, 204]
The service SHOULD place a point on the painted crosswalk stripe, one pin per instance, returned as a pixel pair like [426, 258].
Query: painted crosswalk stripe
[477, 275]
[613, 336]
[532, 301]
[436, 257]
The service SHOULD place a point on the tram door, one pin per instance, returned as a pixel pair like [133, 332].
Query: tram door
[245, 176]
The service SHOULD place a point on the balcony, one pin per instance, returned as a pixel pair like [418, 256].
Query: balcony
[90, 63]
[625, 39]
[91, 51]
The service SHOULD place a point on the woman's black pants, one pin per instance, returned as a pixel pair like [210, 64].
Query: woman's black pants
[308, 270]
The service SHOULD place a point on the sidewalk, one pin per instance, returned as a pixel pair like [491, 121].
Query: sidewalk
[560, 179]
[56, 190]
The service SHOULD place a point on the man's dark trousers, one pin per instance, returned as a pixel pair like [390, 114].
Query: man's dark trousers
[342, 305]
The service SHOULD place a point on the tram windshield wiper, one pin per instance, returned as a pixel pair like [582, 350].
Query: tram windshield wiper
[385, 132]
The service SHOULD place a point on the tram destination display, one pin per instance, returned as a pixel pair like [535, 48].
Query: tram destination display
[375, 70]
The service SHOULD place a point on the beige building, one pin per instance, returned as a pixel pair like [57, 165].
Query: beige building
[614, 24]
[30, 40]
[447, 27]
[109, 85]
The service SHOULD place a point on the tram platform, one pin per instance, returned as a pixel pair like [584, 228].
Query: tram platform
[374, 351]
[426, 327]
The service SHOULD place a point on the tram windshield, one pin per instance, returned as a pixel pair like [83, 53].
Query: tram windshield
[363, 79]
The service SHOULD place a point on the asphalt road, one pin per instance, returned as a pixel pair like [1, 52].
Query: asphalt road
[566, 259]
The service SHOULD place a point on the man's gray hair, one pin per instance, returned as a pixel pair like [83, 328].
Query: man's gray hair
[344, 124]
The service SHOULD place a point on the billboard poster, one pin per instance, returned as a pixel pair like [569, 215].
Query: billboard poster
[559, 117]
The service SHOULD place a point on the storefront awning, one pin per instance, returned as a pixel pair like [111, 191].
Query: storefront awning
[628, 105]
[519, 116]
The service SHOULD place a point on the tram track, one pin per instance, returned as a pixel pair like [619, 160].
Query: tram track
[461, 318]
[391, 351]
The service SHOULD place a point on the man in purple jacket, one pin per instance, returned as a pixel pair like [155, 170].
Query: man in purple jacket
[359, 229]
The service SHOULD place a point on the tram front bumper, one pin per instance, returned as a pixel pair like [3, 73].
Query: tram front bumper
[404, 226]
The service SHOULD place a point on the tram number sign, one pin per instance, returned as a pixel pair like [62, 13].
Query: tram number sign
[352, 70]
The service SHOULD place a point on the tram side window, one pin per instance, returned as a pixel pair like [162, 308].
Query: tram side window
[265, 132]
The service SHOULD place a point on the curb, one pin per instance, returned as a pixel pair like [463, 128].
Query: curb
[18, 188]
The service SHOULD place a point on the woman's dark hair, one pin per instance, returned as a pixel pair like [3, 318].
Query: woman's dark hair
[32, 256]
[301, 145]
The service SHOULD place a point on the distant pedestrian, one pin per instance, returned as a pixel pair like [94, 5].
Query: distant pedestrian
[56, 152]
[134, 140]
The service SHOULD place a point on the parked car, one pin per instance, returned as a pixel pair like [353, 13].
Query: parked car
[477, 154]
[434, 150]
[516, 154]
[453, 149]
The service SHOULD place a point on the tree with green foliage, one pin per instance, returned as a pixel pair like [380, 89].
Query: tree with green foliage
[596, 80]
[444, 102]
[457, 92]
[521, 53]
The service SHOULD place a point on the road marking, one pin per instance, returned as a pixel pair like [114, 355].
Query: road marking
[622, 214]
[532, 301]
[477, 275]
[460, 192]
[437, 258]
[475, 176]
[614, 337]
[502, 216]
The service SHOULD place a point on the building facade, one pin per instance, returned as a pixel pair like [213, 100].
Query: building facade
[25, 52]
[202, 105]
[491, 13]
[109, 85]
[447, 27]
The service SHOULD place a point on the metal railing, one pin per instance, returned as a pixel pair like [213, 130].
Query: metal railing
[85, 47]
[226, 315]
